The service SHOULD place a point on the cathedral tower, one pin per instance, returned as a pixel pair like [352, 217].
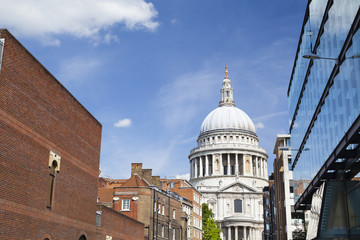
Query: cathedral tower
[230, 169]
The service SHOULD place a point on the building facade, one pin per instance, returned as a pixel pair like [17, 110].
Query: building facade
[230, 169]
[289, 222]
[49, 157]
[269, 210]
[185, 189]
[324, 107]
[160, 211]
[186, 219]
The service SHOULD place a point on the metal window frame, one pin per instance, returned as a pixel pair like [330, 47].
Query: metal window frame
[311, 62]
[2, 43]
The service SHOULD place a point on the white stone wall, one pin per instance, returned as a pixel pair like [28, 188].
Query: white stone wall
[220, 186]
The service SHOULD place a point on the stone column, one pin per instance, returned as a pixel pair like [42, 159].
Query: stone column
[229, 233]
[195, 172]
[206, 165]
[201, 167]
[228, 163]
[236, 164]
[265, 168]
[251, 207]
[243, 160]
[191, 169]
[256, 208]
[251, 166]
[256, 166]
[221, 165]
[213, 165]
[245, 236]
[236, 233]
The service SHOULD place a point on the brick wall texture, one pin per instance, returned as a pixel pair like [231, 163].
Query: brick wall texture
[38, 115]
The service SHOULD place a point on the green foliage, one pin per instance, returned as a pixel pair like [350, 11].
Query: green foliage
[210, 227]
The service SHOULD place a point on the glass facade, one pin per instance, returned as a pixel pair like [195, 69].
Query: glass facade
[341, 106]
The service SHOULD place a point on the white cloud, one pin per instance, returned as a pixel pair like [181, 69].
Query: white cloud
[259, 125]
[126, 122]
[45, 19]
[183, 176]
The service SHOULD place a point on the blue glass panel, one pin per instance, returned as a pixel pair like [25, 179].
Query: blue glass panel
[331, 41]
[316, 11]
[340, 109]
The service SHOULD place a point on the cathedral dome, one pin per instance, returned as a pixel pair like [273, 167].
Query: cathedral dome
[227, 117]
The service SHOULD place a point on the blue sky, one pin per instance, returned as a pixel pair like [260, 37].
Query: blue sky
[150, 71]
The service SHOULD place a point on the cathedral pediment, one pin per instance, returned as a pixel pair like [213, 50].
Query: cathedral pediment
[237, 187]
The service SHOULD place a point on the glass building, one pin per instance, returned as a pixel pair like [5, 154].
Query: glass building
[324, 110]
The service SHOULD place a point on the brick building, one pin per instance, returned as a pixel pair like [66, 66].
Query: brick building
[49, 157]
[185, 189]
[139, 198]
[269, 210]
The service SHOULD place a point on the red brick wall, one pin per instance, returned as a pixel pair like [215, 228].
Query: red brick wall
[37, 114]
[120, 226]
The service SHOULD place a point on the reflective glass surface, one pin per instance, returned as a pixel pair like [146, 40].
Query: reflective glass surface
[316, 11]
[342, 105]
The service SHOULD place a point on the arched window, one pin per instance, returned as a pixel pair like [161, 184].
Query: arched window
[82, 237]
[238, 206]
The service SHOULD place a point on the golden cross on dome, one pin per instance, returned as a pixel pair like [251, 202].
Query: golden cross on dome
[226, 72]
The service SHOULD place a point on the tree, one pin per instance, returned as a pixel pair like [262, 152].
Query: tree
[210, 227]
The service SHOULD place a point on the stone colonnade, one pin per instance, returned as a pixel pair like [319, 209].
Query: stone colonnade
[241, 233]
[228, 164]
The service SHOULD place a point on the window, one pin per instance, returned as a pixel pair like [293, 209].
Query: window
[162, 231]
[174, 212]
[125, 204]
[163, 210]
[172, 184]
[82, 237]
[1, 50]
[54, 166]
[174, 233]
[238, 206]
[98, 218]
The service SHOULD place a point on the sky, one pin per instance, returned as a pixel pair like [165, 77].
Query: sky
[151, 71]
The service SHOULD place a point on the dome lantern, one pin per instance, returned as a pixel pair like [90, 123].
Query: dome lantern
[227, 98]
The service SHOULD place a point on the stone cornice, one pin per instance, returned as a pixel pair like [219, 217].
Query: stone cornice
[228, 148]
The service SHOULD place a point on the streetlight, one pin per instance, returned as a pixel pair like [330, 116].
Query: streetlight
[293, 149]
[314, 56]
